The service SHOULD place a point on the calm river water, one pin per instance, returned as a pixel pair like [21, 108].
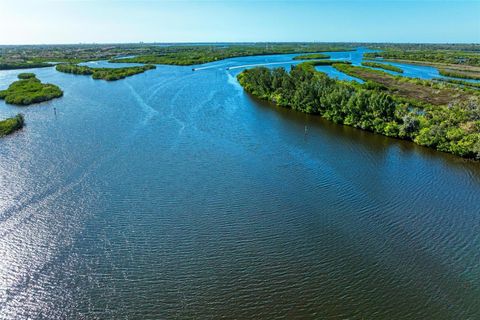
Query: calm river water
[173, 194]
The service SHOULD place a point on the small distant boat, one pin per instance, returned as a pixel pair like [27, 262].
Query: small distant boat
[193, 69]
[228, 68]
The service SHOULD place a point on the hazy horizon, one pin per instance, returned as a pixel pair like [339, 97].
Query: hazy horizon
[225, 42]
[113, 22]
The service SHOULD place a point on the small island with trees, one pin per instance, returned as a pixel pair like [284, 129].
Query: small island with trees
[28, 90]
[109, 74]
[11, 125]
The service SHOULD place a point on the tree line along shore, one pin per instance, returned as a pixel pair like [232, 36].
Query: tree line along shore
[10, 125]
[109, 74]
[444, 117]
[441, 113]
[17, 57]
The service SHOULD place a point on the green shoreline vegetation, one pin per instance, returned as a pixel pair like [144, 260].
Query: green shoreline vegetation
[459, 74]
[314, 63]
[109, 74]
[34, 56]
[312, 56]
[453, 128]
[416, 91]
[30, 56]
[432, 56]
[382, 66]
[23, 65]
[11, 125]
[29, 90]
[191, 55]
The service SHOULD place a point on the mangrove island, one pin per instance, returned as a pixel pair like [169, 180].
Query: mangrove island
[11, 125]
[109, 74]
[29, 90]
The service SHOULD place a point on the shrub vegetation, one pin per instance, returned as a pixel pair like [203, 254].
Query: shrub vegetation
[30, 90]
[382, 66]
[11, 125]
[26, 75]
[109, 74]
[453, 128]
[311, 56]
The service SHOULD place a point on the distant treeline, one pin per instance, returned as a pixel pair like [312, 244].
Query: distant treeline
[415, 91]
[109, 74]
[23, 65]
[465, 47]
[438, 56]
[325, 62]
[311, 56]
[15, 57]
[33, 56]
[382, 66]
[454, 128]
[192, 55]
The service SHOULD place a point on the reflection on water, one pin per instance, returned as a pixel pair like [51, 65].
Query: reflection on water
[172, 194]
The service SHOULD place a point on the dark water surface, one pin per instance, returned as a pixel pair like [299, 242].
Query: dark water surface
[173, 194]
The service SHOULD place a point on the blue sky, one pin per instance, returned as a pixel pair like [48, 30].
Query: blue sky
[87, 21]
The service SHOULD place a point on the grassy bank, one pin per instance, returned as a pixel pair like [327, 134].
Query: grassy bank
[382, 66]
[22, 65]
[413, 90]
[459, 74]
[11, 125]
[29, 90]
[192, 55]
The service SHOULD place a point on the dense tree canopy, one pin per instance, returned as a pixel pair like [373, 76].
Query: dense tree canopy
[29, 90]
[109, 74]
[11, 125]
[454, 128]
